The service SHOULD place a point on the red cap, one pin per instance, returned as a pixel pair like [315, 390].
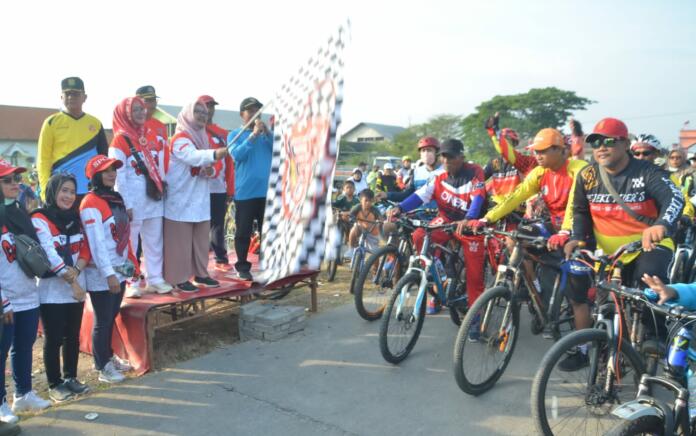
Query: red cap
[608, 128]
[6, 168]
[100, 163]
[206, 99]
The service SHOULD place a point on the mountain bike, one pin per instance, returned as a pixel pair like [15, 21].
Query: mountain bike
[488, 334]
[648, 414]
[405, 312]
[580, 402]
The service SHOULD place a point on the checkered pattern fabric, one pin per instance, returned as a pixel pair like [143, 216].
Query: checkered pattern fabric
[307, 117]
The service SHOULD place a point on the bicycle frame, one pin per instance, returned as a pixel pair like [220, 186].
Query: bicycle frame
[423, 263]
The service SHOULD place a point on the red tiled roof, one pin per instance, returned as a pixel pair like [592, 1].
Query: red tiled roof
[22, 123]
[687, 138]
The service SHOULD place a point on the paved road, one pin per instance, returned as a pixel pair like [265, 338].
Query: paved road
[328, 380]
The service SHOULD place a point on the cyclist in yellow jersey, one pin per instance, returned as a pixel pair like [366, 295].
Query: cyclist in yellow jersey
[70, 138]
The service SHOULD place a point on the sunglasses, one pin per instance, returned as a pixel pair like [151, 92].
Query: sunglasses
[607, 142]
[645, 153]
[14, 178]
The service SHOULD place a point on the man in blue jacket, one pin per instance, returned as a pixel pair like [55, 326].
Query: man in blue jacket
[251, 151]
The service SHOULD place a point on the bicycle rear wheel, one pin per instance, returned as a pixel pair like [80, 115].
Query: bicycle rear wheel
[379, 275]
[495, 319]
[577, 403]
[332, 266]
[399, 332]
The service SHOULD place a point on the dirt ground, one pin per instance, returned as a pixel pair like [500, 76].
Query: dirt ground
[194, 338]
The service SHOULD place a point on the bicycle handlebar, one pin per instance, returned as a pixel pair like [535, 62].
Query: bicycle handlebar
[674, 312]
[536, 241]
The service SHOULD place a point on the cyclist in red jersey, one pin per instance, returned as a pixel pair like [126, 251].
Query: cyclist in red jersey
[460, 196]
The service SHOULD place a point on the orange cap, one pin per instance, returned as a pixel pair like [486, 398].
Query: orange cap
[546, 138]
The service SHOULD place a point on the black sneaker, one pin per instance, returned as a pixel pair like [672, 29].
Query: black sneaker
[187, 287]
[245, 275]
[574, 362]
[75, 386]
[60, 393]
[206, 281]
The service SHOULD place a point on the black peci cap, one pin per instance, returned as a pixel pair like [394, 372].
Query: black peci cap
[249, 102]
[452, 147]
[72, 84]
[146, 91]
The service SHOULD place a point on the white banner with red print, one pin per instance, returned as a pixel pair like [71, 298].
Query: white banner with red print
[305, 146]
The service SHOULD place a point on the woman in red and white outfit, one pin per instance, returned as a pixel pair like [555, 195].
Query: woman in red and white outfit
[22, 319]
[145, 206]
[189, 168]
[107, 226]
[62, 295]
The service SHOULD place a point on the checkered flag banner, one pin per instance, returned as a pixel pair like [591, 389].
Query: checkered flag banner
[305, 145]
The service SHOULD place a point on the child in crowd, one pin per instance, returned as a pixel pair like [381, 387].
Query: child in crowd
[365, 215]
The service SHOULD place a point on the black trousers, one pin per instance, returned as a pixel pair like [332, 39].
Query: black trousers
[106, 306]
[246, 211]
[218, 208]
[61, 326]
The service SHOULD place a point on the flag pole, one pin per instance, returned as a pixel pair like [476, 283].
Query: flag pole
[252, 120]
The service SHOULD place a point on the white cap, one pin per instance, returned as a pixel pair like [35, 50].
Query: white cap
[388, 166]
[357, 170]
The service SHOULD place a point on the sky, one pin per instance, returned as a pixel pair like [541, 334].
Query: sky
[407, 60]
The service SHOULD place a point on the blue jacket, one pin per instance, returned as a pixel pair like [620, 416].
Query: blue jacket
[686, 295]
[252, 164]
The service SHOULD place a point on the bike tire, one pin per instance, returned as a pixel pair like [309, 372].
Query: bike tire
[366, 311]
[464, 349]
[333, 266]
[457, 313]
[561, 308]
[650, 424]
[357, 264]
[411, 282]
[546, 367]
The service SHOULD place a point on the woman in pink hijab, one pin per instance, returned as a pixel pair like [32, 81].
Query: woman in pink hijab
[139, 181]
[187, 206]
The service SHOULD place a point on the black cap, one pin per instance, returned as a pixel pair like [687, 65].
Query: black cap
[146, 91]
[72, 84]
[452, 147]
[249, 102]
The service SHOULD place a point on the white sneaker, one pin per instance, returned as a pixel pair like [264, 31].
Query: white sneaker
[110, 374]
[161, 288]
[133, 291]
[6, 414]
[29, 401]
[121, 365]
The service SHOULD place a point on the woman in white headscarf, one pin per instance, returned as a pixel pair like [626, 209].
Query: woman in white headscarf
[188, 167]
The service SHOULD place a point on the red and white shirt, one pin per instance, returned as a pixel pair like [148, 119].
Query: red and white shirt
[131, 182]
[55, 290]
[455, 194]
[223, 182]
[17, 288]
[188, 189]
[100, 228]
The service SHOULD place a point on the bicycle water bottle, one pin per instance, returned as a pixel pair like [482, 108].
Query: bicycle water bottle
[440, 269]
[677, 358]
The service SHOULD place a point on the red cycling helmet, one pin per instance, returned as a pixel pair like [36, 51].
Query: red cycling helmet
[510, 134]
[428, 141]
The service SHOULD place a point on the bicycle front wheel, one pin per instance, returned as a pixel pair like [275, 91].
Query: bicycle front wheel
[486, 341]
[580, 402]
[401, 325]
[379, 275]
[356, 265]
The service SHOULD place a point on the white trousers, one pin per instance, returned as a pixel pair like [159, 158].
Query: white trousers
[151, 238]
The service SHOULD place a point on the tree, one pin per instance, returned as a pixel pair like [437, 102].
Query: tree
[526, 113]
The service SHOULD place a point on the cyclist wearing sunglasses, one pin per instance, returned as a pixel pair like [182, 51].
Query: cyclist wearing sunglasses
[649, 209]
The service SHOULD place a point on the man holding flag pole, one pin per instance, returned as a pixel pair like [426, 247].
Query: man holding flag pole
[251, 147]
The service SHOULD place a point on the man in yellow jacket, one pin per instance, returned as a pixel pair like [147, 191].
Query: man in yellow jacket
[69, 138]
